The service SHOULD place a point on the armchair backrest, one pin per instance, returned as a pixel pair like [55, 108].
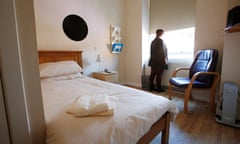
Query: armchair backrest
[204, 61]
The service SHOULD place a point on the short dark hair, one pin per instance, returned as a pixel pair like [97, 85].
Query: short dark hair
[159, 31]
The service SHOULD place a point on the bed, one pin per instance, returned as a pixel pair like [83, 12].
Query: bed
[138, 116]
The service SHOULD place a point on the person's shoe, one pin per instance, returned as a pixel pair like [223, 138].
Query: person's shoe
[160, 90]
[151, 90]
[157, 90]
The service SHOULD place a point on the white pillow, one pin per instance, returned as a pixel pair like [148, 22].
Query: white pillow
[66, 77]
[53, 69]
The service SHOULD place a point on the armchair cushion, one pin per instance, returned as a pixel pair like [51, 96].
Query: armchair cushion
[183, 82]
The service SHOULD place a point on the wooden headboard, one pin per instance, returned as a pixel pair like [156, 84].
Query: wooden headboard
[54, 56]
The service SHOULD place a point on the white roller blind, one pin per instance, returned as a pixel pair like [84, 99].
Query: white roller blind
[172, 14]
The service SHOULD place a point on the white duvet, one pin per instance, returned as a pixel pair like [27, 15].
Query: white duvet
[134, 113]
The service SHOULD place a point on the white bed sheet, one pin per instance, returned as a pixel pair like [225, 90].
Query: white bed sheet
[135, 112]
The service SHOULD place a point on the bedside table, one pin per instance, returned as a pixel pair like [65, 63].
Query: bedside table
[110, 77]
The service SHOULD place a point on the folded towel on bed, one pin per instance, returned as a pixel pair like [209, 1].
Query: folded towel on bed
[81, 106]
[99, 105]
[112, 106]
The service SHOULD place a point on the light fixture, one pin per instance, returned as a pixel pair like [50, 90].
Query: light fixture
[99, 60]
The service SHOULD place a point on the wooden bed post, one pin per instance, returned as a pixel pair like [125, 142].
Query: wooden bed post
[165, 131]
[162, 125]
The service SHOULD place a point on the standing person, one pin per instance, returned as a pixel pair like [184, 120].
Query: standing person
[158, 61]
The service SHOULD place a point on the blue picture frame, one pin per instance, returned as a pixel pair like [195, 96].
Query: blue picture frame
[117, 47]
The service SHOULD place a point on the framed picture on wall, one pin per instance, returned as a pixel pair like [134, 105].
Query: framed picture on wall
[117, 47]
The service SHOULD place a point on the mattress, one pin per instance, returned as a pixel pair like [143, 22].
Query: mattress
[135, 112]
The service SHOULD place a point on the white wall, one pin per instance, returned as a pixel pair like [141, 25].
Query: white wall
[133, 42]
[233, 3]
[210, 23]
[19, 72]
[231, 52]
[145, 29]
[231, 58]
[99, 15]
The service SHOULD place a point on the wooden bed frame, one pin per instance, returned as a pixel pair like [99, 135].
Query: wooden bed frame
[54, 56]
[162, 125]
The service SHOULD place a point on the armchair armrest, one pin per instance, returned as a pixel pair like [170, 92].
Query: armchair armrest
[213, 87]
[196, 75]
[179, 69]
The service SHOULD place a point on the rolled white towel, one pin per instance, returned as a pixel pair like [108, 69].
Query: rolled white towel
[99, 105]
[113, 100]
[81, 106]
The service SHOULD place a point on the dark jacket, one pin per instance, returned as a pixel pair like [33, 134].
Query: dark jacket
[157, 57]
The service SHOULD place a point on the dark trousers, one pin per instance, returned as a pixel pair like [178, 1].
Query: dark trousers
[156, 73]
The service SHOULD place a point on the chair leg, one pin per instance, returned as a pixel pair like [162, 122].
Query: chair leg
[170, 92]
[213, 92]
[212, 98]
[186, 98]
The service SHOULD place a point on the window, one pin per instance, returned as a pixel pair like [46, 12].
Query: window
[180, 43]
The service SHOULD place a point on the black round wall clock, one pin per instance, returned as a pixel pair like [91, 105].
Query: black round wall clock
[75, 27]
